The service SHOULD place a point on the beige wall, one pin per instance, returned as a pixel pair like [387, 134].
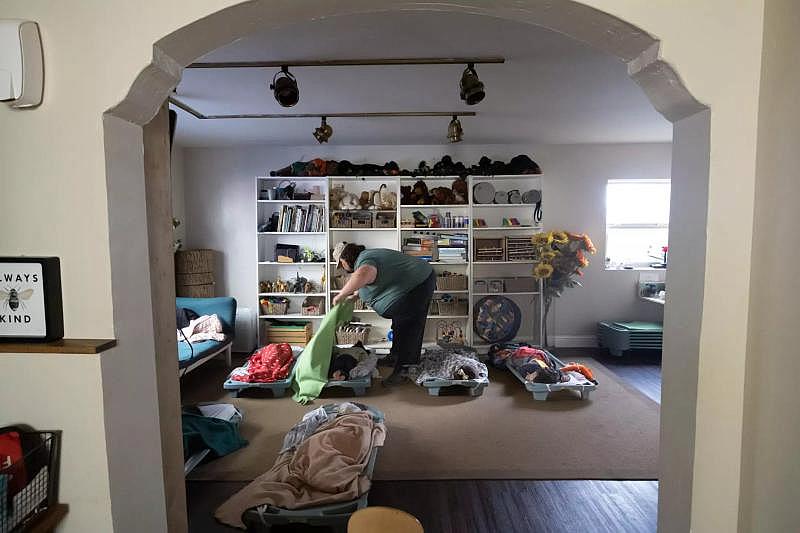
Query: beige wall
[772, 426]
[27, 397]
[53, 168]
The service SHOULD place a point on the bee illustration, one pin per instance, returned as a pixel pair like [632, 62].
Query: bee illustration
[12, 298]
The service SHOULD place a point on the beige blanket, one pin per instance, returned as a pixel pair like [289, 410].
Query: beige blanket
[326, 468]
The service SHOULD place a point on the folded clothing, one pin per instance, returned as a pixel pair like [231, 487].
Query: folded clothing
[326, 468]
[450, 363]
[270, 363]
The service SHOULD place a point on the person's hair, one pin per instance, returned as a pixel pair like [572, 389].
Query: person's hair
[350, 253]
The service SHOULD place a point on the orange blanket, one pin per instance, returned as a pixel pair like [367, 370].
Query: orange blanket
[326, 468]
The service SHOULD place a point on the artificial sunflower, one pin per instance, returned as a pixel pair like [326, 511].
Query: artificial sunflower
[560, 237]
[542, 239]
[542, 271]
[549, 255]
[587, 242]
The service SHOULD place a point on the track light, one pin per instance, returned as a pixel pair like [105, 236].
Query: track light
[284, 87]
[455, 133]
[471, 87]
[323, 133]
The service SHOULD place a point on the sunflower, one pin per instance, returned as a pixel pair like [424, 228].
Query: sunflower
[549, 255]
[560, 237]
[542, 271]
[542, 239]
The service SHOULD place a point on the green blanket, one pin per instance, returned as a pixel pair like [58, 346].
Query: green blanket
[311, 369]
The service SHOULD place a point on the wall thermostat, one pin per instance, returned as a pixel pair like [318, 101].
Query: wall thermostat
[21, 63]
[30, 299]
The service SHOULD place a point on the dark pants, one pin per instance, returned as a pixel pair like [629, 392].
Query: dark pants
[409, 315]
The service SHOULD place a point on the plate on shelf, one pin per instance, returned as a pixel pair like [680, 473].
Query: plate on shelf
[483, 193]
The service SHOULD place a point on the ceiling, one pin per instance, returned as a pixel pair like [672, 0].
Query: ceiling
[551, 89]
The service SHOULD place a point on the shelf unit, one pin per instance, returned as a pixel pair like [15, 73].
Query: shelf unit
[530, 301]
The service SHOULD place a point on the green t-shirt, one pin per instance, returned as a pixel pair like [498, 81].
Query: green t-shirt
[397, 275]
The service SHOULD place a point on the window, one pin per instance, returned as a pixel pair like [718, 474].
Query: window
[637, 222]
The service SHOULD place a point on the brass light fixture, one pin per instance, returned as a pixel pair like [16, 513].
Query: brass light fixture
[284, 87]
[455, 133]
[472, 90]
[323, 133]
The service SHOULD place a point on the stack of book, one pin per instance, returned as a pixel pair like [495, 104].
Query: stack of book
[452, 248]
[301, 218]
[421, 246]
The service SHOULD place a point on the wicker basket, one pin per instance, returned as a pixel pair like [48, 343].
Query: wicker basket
[362, 219]
[454, 308]
[490, 250]
[339, 280]
[193, 261]
[352, 333]
[385, 220]
[451, 282]
[274, 308]
[341, 220]
[312, 306]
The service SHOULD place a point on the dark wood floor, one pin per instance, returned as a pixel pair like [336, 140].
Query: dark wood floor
[506, 506]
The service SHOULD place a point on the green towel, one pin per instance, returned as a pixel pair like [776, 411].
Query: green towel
[311, 369]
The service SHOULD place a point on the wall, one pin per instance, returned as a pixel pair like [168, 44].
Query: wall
[221, 213]
[27, 398]
[772, 437]
[53, 164]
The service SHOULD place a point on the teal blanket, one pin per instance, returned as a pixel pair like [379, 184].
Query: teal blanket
[201, 432]
[311, 369]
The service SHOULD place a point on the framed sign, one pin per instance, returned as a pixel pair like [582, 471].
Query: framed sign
[30, 299]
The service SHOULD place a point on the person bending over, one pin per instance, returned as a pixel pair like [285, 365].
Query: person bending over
[396, 286]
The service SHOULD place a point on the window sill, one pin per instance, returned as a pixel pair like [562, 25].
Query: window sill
[635, 269]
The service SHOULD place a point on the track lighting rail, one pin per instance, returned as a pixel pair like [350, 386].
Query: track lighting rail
[351, 62]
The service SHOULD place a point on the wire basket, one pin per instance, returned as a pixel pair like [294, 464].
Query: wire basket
[451, 282]
[274, 308]
[29, 480]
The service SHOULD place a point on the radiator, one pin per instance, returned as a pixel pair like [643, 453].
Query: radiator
[245, 340]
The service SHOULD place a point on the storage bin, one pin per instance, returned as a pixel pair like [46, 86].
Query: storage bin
[519, 249]
[490, 250]
[312, 306]
[193, 261]
[453, 308]
[448, 281]
[525, 284]
[362, 219]
[199, 278]
[341, 220]
[385, 220]
[294, 334]
[195, 291]
[274, 308]
[480, 285]
[353, 332]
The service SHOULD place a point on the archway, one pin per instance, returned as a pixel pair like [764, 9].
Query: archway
[141, 262]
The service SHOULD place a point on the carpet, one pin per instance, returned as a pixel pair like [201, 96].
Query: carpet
[503, 434]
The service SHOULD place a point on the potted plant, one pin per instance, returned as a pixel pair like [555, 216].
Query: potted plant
[560, 257]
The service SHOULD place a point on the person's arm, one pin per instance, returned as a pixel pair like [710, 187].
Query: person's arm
[363, 276]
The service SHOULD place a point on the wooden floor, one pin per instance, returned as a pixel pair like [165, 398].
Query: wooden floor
[506, 506]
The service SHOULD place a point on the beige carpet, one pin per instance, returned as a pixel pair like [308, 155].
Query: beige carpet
[503, 434]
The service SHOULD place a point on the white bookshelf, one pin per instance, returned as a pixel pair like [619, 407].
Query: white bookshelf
[268, 268]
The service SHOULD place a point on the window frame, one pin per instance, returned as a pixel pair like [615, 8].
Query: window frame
[637, 265]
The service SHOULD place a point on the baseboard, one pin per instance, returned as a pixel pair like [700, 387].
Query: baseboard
[574, 341]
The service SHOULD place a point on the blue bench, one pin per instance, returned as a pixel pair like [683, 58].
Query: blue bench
[190, 357]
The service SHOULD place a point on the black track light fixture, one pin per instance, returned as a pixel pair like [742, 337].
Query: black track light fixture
[471, 87]
[323, 133]
[455, 133]
[284, 87]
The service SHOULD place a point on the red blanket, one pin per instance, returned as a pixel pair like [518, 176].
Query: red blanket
[269, 363]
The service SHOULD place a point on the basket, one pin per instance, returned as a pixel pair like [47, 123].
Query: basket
[353, 332]
[362, 219]
[341, 220]
[359, 305]
[274, 308]
[385, 220]
[451, 282]
[312, 306]
[453, 308]
[490, 250]
[520, 249]
[339, 280]
[192, 261]
[29, 484]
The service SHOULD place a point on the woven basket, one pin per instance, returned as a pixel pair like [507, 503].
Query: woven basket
[311, 310]
[194, 261]
[274, 308]
[454, 308]
[352, 336]
[451, 282]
